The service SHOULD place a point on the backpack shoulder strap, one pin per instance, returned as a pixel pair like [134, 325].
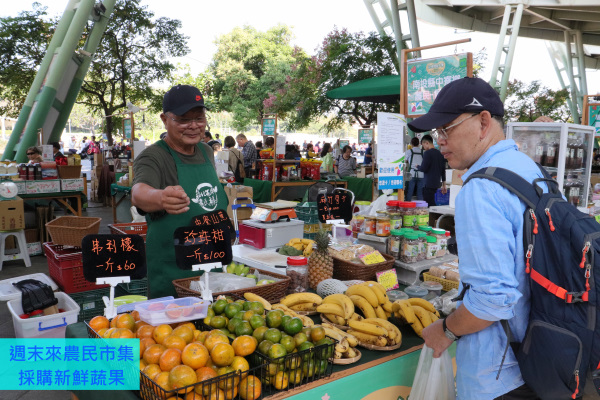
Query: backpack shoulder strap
[511, 181]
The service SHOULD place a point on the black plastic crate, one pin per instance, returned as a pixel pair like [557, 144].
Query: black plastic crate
[90, 302]
[297, 368]
[135, 287]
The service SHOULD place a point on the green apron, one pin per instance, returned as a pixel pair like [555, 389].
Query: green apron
[206, 194]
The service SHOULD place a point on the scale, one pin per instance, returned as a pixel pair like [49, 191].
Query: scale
[274, 211]
[8, 189]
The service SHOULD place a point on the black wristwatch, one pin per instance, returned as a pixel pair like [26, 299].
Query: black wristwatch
[449, 333]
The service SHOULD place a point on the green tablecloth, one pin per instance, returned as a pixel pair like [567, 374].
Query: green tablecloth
[114, 189]
[361, 187]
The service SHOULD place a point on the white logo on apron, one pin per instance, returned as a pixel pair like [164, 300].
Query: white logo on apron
[206, 196]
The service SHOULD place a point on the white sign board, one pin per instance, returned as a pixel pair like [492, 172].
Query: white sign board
[390, 150]
[47, 152]
[280, 145]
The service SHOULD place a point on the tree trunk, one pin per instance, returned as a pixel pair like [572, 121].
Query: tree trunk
[109, 130]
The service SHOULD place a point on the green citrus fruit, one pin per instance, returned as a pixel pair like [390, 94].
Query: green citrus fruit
[246, 306]
[231, 309]
[233, 322]
[219, 306]
[257, 307]
[219, 321]
[276, 351]
[247, 315]
[259, 333]
[292, 326]
[284, 319]
[289, 343]
[273, 334]
[264, 346]
[274, 318]
[300, 338]
[243, 328]
[257, 321]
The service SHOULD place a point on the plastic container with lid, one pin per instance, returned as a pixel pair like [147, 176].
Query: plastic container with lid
[432, 248]
[422, 245]
[383, 226]
[432, 287]
[395, 220]
[422, 213]
[410, 248]
[392, 205]
[370, 225]
[394, 295]
[416, 291]
[442, 240]
[393, 243]
[408, 211]
[426, 229]
[297, 270]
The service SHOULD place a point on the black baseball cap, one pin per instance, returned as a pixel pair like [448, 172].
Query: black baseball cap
[181, 99]
[458, 97]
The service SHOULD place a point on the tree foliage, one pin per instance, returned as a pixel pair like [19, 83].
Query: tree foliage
[247, 67]
[342, 58]
[526, 102]
[133, 54]
[23, 43]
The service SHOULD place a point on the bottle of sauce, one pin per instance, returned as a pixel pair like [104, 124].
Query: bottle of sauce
[539, 154]
[551, 153]
[570, 158]
[579, 153]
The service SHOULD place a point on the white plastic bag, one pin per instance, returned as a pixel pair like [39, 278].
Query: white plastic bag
[434, 379]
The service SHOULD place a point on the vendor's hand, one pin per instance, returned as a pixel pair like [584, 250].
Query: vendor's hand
[174, 200]
[444, 189]
[436, 339]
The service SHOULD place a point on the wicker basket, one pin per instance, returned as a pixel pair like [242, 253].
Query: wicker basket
[69, 171]
[272, 292]
[446, 283]
[69, 231]
[346, 270]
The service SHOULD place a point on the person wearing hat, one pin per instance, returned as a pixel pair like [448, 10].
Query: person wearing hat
[466, 119]
[175, 180]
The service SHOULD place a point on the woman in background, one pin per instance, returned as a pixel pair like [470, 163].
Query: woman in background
[327, 157]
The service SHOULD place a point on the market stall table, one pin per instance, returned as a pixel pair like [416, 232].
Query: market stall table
[265, 191]
[378, 374]
[60, 198]
[118, 194]
[408, 273]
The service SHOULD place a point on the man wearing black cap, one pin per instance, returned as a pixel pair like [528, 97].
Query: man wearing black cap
[175, 180]
[466, 118]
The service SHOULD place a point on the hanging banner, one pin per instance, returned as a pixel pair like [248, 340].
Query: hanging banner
[127, 128]
[365, 135]
[425, 79]
[390, 150]
[269, 125]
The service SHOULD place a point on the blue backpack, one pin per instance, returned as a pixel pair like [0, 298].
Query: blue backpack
[562, 259]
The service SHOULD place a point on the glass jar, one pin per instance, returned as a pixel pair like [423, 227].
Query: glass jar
[297, 270]
[382, 226]
[370, 225]
[442, 240]
[410, 248]
[432, 248]
[426, 229]
[393, 243]
[395, 220]
[392, 205]
[357, 224]
[409, 213]
[422, 213]
[422, 245]
[539, 154]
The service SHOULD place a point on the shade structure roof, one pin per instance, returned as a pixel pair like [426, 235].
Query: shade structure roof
[380, 89]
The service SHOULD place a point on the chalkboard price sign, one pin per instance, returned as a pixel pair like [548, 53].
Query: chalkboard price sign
[207, 240]
[113, 255]
[334, 206]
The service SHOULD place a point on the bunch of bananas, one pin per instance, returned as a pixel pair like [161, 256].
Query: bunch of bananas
[346, 342]
[304, 245]
[419, 313]
[299, 302]
[375, 331]
[364, 300]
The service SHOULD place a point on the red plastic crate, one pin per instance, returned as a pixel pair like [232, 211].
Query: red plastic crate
[66, 268]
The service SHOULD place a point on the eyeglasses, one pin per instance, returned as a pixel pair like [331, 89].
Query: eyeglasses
[186, 122]
[31, 154]
[442, 133]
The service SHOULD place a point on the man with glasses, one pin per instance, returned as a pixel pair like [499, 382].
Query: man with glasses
[434, 168]
[467, 118]
[175, 180]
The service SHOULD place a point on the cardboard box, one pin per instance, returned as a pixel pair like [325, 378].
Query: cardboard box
[235, 191]
[34, 249]
[12, 215]
[454, 189]
[71, 185]
[98, 159]
[594, 179]
[32, 235]
[457, 176]
[21, 186]
[43, 186]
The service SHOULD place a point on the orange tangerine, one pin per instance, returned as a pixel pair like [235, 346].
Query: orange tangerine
[144, 331]
[161, 332]
[99, 322]
[169, 359]
[185, 332]
[222, 354]
[195, 355]
[152, 370]
[215, 338]
[244, 345]
[250, 388]
[204, 374]
[181, 376]
[152, 353]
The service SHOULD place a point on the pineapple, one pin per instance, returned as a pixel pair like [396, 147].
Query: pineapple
[320, 263]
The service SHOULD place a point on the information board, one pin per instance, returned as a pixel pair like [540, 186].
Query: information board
[334, 206]
[390, 150]
[344, 143]
[425, 79]
[269, 126]
[113, 255]
[127, 128]
[207, 240]
[365, 135]
[594, 117]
